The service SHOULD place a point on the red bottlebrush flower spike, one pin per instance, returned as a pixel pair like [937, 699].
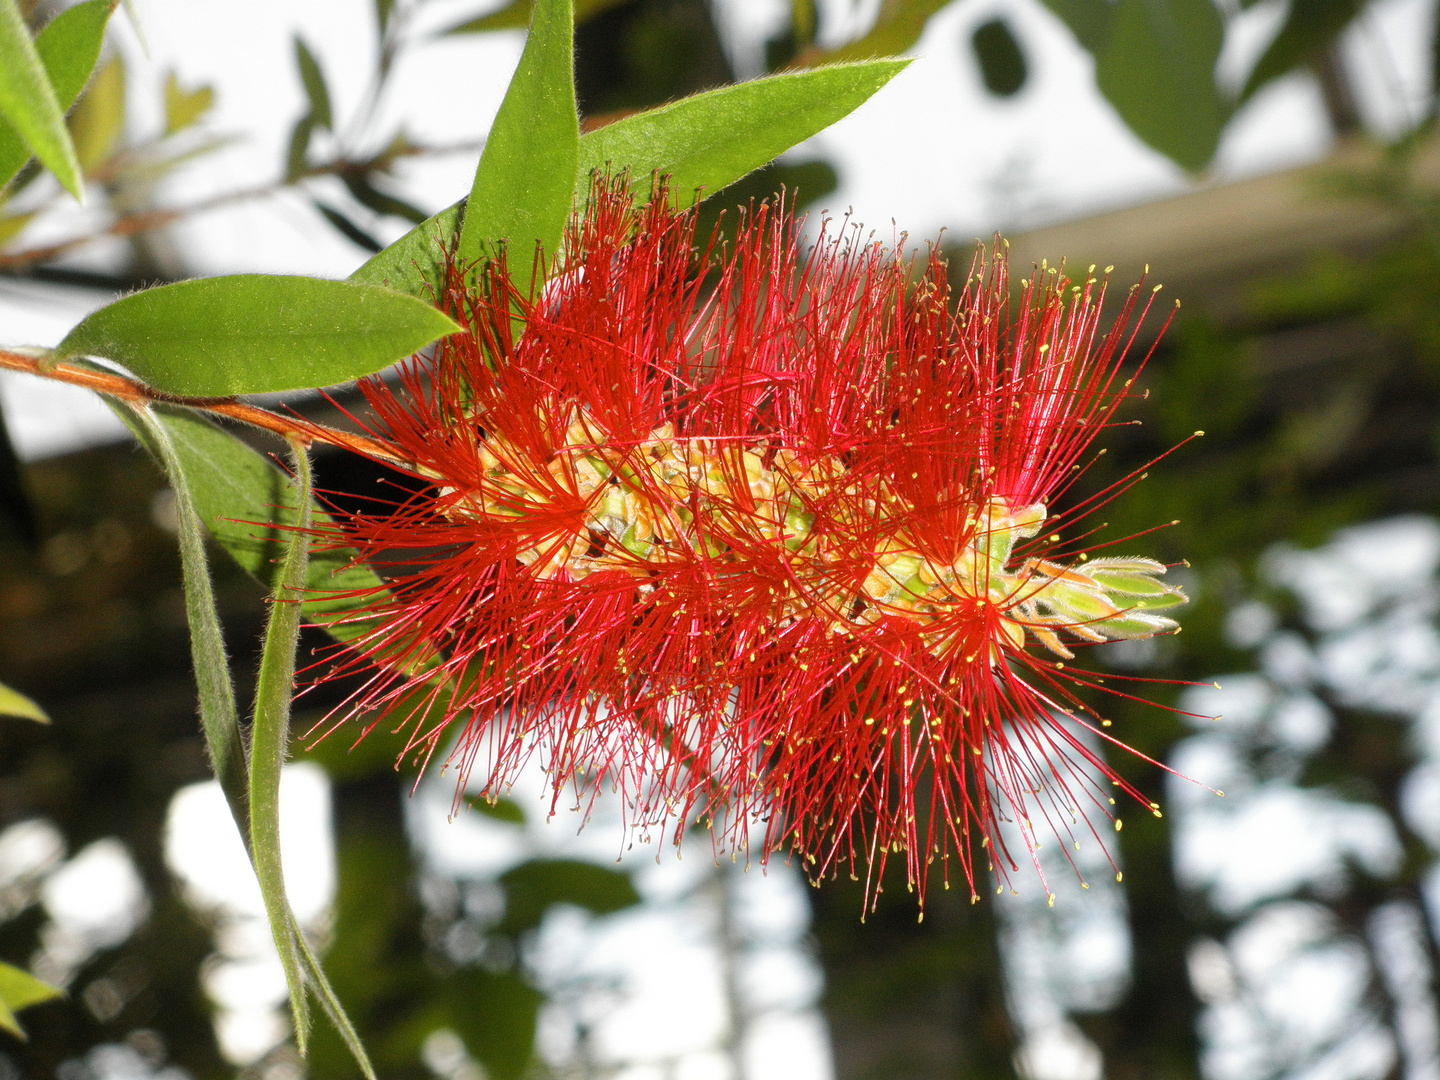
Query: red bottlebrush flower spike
[760, 533]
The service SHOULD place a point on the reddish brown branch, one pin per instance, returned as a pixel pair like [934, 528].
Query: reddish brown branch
[130, 390]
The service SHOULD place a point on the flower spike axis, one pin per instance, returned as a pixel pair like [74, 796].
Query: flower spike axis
[760, 533]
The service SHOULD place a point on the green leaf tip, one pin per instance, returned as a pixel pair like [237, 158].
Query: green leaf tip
[14, 703]
[19, 990]
[256, 333]
[525, 180]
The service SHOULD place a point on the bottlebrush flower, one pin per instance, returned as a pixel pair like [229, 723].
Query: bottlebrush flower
[758, 532]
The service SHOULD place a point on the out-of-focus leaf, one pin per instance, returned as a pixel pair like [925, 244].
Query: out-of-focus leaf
[18, 990]
[1002, 63]
[28, 101]
[314, 81]
[710, 140]
[68, 47]
[526, 176]
[414, 263]
[184, 107]
[256, 333]
[239, 495]
[348, 228]
[532, 887]
[501, 809]
[1158, 69]
[1088, 20]
[899, 26]
[98, 120]
[11, 226]
[1310, 27]
[494, 1015]
[383, 8]
[516, 16]
[367, 195]
[14, 703]
[299, 147]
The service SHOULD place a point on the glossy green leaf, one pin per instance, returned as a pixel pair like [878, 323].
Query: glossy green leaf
[532, 887]
[28, 101]
[1310, 27]
[414, 263]
[18, 990]
[1157, 68]
[526, 176]
[239, 495]
[68, 48]
[98, 121]
[710, 140]
[314, 83]
[270, 743]
[14, 703]
[255, 333]
[185, 107]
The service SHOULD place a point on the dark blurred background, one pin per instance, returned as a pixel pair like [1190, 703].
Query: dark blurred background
[1288, 930]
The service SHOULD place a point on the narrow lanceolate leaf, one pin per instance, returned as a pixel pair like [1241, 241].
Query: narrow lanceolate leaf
[28, 101]
[526, 176]
[314, 82]
[712, 139]
[18, 990]
[68, 48]
[14, 703]
[240, 496]
[255, 333]
[216, 694]
[270, 743]
[1310, 27]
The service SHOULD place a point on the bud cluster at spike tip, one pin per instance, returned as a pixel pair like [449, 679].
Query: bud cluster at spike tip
[760, 532]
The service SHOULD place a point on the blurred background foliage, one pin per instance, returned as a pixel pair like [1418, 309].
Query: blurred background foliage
[1317, 384]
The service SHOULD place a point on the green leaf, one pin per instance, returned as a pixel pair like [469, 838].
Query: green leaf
[19, 990]
[1088, 20]
[898, 28]
[1157, 68]
[314, 81]
[28, 101]
[218, 716]
[710, 140]
[414, 264]
[14, 703]
[270, 744]
[98, 121]
[1310, 27]
[68, 47]
[298, 147]
[239, 495]
[494, 1015]
[526, 176]
[532, 887]
[1001, 61]
[347, 228]
[185, 107]
[500, 808]
[368, 195]
[256, 333]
